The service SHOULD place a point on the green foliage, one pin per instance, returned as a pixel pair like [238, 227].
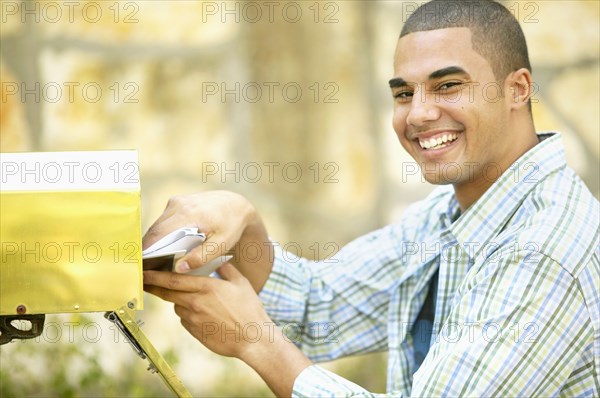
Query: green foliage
[72, 365]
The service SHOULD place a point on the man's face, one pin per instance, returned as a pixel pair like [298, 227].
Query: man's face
[449, 113]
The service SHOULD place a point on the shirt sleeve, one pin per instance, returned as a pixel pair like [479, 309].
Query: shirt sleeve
[315, 381]
[339, 306]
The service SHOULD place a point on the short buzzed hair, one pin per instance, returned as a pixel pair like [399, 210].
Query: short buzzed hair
[495, 33]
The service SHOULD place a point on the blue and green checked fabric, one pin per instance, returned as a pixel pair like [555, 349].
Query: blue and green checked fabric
[518, 301]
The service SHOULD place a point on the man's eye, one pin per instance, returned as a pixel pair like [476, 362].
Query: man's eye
[448, 85]
[403, 95]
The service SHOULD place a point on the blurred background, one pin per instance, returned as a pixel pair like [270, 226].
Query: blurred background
[284, 102]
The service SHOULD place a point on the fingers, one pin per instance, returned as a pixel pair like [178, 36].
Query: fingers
[165, 294]
[164, 285]
[176, 288]
[173, 281]
[214, 247]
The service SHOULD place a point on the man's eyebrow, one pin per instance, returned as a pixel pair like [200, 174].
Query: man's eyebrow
[398, 82]
[450, 70]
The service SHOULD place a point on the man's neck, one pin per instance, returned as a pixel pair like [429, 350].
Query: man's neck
[469, 193]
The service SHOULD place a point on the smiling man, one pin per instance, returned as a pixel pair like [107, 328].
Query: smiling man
[489, 287]
[462, 121]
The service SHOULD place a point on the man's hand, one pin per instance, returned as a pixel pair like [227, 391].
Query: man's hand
[214, 311]
[218, 313]
[231, 225]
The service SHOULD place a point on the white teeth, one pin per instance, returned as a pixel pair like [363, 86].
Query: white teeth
[437, 142]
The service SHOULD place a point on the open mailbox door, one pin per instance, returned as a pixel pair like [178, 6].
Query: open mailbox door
[70, 232]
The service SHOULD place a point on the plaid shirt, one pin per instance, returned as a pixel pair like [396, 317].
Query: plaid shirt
[518, 302]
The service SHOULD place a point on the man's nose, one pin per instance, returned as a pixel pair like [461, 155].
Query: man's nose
[423, 109]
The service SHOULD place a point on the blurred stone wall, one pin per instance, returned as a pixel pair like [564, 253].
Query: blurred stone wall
[284, 102]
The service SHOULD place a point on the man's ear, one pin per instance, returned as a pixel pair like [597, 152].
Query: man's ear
[520, 88]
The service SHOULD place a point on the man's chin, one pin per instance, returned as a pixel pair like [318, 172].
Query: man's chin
[437, 180]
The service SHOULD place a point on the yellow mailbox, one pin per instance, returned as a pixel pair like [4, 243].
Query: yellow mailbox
[70, 232]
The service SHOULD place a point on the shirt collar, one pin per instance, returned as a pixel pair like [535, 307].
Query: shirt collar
[486, 218]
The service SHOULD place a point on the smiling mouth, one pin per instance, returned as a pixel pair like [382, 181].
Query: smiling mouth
[439, 142]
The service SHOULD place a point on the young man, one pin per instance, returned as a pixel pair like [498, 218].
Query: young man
[489, 287]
